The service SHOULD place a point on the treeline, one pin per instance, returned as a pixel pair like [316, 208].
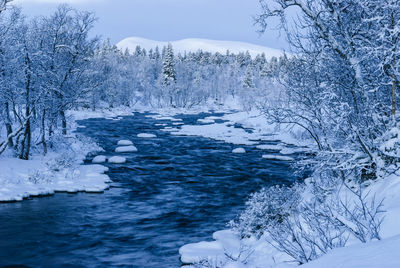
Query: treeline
[49, 65]
[159, 78]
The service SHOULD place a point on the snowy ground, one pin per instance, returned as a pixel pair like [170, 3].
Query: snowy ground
[20, 179]
[254, 129]
[228, 250]
[59, 171]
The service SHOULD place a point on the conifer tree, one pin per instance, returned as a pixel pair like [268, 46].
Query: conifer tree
[248, 79]
[168, 70]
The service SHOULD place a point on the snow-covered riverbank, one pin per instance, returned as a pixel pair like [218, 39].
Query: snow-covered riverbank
[61, 170]
[230, 251]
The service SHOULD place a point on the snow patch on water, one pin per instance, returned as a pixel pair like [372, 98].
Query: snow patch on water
[126, 149]
[239, 151]
[21, 179]
[117, 160]
[124, 143]
[270, 147]
[206, 121]
[146, 135]
[277, 157]
[99, 159]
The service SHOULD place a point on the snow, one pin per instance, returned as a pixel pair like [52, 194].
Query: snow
[193, 45]
[146, 135]
[277, 157]
[192, 253]
[114, 113]
[227, 132]
[220, 132]
[126, 149]
[239, 151]
[225, 241]
[382, 254]
[269, 147]
[21, 179]
[293, 150]
[117, 160]
[124, 143]
[99, 159]
[206, 121]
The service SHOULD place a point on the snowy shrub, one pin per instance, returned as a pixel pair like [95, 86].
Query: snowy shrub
[306, 222]
[267, 207]
[242, 256]
[39, 177]
[61, 161]
[209, 263]
[358, 213]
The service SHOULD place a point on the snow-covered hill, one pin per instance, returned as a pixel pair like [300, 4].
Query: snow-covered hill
[193, 45]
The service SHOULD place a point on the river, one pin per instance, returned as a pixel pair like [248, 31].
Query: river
[175, 190]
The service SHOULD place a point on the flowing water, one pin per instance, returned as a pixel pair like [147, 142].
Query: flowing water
[175, 190]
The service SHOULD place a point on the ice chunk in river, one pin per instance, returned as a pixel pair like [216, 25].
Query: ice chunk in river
[270, 147]
[206, 121]
[146, 135]
[117, 160]
[239, 151]
[277, 157]
[126, 149]
[125, 143]
[99, 159]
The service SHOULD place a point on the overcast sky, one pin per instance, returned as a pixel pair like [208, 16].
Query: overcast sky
[169, 20]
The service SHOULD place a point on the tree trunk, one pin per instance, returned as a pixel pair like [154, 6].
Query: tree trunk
[394, 97]
[8, 126]
[394, 78]
[26, 142]
[63, 122]
[44, 133]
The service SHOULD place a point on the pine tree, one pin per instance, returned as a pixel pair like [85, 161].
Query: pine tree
[248, 79]
[168, 70]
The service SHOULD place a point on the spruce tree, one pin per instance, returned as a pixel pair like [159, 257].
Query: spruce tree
[248, 79]
[168, 70]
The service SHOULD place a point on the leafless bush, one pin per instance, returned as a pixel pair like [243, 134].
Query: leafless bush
[306, 225]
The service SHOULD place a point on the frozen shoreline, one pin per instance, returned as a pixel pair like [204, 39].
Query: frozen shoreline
[60, 170]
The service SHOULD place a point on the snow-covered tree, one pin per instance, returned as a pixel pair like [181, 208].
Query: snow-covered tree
[342, 82]
[3, 4]
[168, 70]
[248, 79]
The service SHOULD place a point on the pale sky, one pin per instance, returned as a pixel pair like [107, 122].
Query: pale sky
[168, 20]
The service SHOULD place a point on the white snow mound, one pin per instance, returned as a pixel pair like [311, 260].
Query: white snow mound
[239, 151]
[117, 160]
[125, 143]
[277, 157]
[126, 149]
[382, 254]
[146, 135]
[269, 147]
[99, 159]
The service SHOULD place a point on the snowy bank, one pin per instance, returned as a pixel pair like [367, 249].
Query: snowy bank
[252, 252]
[21, 179]
[61, 170]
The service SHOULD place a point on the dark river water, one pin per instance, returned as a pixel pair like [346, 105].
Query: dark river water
[175, 190]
